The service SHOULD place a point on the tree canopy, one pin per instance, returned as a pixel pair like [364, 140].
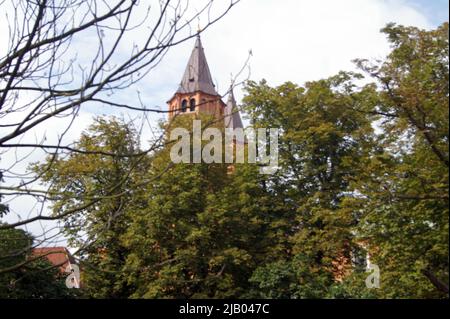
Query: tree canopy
[363, 174]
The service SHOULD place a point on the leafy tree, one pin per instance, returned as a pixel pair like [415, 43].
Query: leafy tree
[198, 234]
[37, 279]
[38, 59]
[363, 167]
[406, 218]
[322, 147]
[106, 185]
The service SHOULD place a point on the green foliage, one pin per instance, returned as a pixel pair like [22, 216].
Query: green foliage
[101, 184]
[350, 187]
[363, 167]
[352, 287]
[37, 279]
[291, 279]
[322, 147]
[197, 235]
[406, 180]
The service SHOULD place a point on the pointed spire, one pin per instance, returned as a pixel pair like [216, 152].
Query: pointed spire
[232, 116]
[197, 76]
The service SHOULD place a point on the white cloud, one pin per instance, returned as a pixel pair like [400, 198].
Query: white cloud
[301, 40]
[291, 40]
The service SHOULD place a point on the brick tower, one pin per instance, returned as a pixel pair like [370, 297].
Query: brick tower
[197, 92]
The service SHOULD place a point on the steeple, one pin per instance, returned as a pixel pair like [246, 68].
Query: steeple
[232, 116]
[197, 76]
[196, 93]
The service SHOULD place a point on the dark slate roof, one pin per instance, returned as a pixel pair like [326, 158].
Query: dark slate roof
[197, 76]
[232, 116]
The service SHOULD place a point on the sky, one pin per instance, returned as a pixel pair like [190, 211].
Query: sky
[299, 40]
[290, 40]
[435, 10]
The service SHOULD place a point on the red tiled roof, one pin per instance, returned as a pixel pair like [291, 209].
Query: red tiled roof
[57, 256]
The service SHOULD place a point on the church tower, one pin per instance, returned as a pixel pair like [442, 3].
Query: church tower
[197, 92]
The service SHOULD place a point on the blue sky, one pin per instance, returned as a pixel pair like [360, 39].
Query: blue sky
[435, 10]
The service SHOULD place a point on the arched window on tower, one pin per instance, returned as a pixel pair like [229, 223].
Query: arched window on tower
[192, 105]
[183, 106]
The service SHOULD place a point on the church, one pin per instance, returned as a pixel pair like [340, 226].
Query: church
[197, 93]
